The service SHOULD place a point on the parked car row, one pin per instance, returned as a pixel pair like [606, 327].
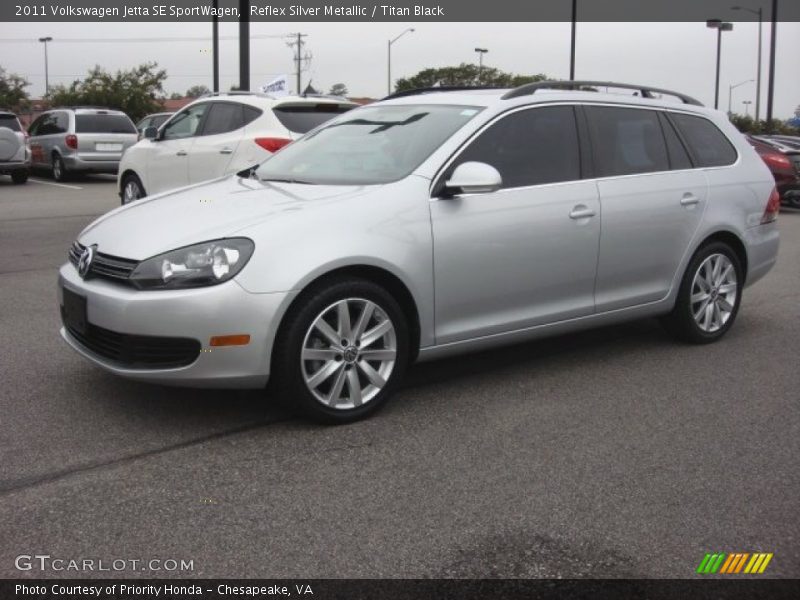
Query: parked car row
[782, 155]
[213, 136]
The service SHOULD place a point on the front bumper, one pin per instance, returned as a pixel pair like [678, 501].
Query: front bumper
[199, 313]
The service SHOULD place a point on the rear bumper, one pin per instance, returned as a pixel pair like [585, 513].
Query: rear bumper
[11, 166]
[76, 163]
[762, 244]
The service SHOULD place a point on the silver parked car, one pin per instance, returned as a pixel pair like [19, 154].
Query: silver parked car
[80, 139]
[428, 224]
[15, 156]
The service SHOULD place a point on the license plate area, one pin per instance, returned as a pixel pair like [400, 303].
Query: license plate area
[107, 147]
[74, 311]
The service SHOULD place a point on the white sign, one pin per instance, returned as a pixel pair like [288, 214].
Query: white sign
[277, 87]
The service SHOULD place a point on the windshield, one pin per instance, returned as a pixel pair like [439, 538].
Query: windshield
[370, 145]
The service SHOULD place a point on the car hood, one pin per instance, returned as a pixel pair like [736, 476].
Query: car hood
[198, 213]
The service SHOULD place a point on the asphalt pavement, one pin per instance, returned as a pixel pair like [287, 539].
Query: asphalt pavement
[612, 453]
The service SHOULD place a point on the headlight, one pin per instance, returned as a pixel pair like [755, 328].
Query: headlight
[199, 265]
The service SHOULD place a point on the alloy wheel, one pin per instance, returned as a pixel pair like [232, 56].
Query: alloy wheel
[714, 293]
[131, 192]
[349, 353]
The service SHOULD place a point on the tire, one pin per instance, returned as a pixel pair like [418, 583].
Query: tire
[132, 189]
[337, 383]
[19, 177]
[709, 297]
[58, 168]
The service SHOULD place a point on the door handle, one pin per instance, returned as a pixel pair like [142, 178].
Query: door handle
[180, 153]
[581, 211]
[689, 199]
[226, 151]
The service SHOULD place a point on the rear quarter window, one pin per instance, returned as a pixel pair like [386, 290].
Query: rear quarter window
[10, 121]
[708, 145]
[103, 124]
[302, 118]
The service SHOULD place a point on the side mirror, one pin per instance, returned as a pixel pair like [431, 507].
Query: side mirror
[150, 133]
[473, 178]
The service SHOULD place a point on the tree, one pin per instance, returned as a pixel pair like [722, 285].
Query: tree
[12, 91]
[175, 96]
[338, 89]
[746, 124]
[196, 91]
[137, 92]
[467, 75]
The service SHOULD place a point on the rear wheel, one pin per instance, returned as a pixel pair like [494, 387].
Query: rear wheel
[19, 177]
[59, 170]
[341, 351]
[709, 296]
[132, 189]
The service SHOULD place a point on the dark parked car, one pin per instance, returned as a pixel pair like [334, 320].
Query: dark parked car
[784, 162]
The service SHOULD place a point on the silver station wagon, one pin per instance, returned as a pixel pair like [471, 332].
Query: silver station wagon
[431, 223]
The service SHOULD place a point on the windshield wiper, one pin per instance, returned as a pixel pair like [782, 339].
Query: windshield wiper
[279, 180]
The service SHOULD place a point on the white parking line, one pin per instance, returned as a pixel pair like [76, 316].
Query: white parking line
[63, 185]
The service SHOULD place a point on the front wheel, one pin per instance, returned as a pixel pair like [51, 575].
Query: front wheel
[709, 296]
[342, 351]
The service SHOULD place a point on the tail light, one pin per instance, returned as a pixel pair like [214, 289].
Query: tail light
[777, 161]
[72, 141]
[773, 207]
[271, 144]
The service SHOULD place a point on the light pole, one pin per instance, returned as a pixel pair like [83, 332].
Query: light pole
[730, 92]
[760, 13]
[44, 40]
[389, 59]
[572, 41]
[720, 26]
[481, 52]
[747, 104]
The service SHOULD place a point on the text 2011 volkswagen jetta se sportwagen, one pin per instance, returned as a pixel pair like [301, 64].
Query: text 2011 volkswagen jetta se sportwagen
[424, 225]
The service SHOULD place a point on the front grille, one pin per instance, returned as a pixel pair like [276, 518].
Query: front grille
[104, 265]
[137, 351]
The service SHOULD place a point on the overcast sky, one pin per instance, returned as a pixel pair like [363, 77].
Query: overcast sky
[679, 56]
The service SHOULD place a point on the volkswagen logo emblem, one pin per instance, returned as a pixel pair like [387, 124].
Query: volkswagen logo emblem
[85, 261]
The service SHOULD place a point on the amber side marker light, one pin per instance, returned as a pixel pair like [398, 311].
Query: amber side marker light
[230, 340]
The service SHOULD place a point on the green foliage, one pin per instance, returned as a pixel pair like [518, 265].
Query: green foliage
[747, 124]
[12, 91]
[197, 90]
[175, 96]
[467, 75]
[137, 92]
[338, 89]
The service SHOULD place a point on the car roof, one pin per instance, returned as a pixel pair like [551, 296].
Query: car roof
[260, 100]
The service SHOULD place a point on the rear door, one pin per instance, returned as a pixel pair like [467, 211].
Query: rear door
[103, 136]
[652, 201]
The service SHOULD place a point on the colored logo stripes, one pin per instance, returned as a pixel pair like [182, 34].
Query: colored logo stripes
[734, 562]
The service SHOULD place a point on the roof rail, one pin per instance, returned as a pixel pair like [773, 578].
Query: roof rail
[644, 90]
[234, 93]
[82, 106]
[441, 88]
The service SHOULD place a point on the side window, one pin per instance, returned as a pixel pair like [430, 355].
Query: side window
[251, 113]
[626, 141]
[47, 124]
[35, 126]
[223, 117]
[186, 123]
[678, 157]
[708, 144]
[529, 147]
[62, 122]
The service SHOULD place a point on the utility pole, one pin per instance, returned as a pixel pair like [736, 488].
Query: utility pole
[215, 49]
[244, 45]
[771, 81]
[572, 42]
[299, 57]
